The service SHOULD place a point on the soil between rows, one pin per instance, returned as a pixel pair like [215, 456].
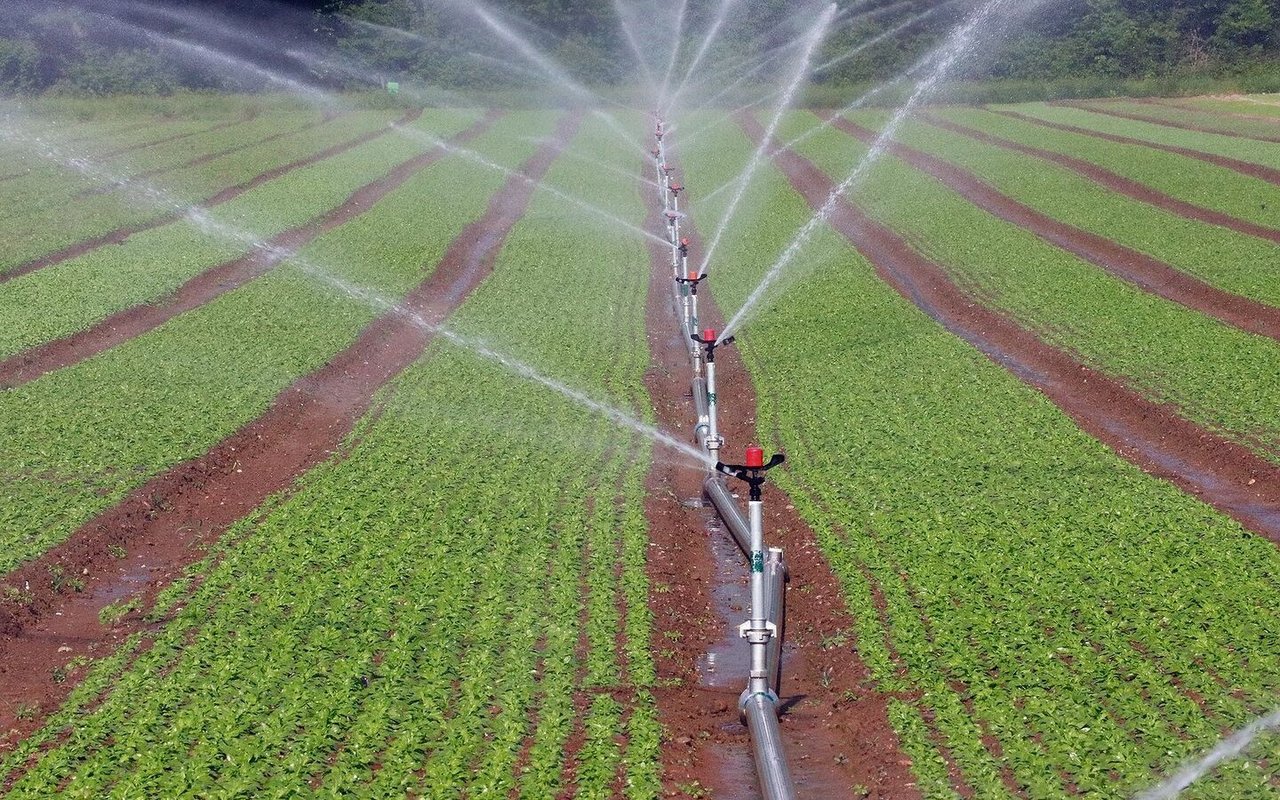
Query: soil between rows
[1116, 183]
[1249, 169]
[835, 728]
[1170, 103]
[166, 524]
[1147, 273]
[1168, 123]
[207, 286]
[223, 196]
[1154, 436]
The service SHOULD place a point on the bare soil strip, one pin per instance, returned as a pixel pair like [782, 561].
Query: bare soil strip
[1154, 436]
[835, 726]
[1168, 123]
[131, 323]
[1250, 169]
[225, 195]
[165, 524]
[1113, 181]
[1147, 273]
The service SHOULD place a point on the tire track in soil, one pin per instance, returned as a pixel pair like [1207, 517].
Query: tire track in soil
[171, 519]
[130, 323]
[1147, 273]
[1246, 168]
[1168, 123]
[222, 196]
[1154, 436]
[836, 730]
[1113, 181]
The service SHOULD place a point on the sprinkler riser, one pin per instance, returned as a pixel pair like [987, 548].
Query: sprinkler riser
[758, 630]
[714, 440]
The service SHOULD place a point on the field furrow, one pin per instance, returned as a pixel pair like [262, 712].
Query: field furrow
[212, 283]
[236, 353]
[1141, 110]
[1174, 356]
[1147, 273]
[418, 680]
[1242, 157]
[143, 208]
[1014, 558]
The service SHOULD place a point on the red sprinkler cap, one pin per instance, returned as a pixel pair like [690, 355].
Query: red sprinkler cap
[693, 275]
[684, 241]
[709, 335]
[755, 457]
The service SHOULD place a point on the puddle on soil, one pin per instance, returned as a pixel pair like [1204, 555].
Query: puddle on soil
[735, 774]
[727, 663]
[126, 583]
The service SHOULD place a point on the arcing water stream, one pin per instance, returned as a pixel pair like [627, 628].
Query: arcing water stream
[944, 59]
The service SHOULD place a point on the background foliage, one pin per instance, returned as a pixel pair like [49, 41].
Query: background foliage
[99, 47]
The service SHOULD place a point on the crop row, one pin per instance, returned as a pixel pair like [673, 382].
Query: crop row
[145, 267]
[1043, 609]
[446, 609]
[75, 441]
[52, 183]
[1208, 121]
[1217, 255]
[1221, 376]
[37, 235]
[1241, 149]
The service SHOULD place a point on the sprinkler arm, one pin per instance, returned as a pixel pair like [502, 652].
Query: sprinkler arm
[753, 476]
[692, 283]
[710, 345]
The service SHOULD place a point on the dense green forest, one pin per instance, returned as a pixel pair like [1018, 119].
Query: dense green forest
[93, 47]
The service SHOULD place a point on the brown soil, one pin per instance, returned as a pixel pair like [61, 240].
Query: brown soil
[1116, 183]
[214, 282]
[1147, 273]
[835, 729]
[164, 525]
[1168, 123]
[225, 195]
[1252, 170]
[1154, 436]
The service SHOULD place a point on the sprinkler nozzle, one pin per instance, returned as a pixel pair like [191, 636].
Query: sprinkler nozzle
[684, 247]
[676, 188]
[667, 169]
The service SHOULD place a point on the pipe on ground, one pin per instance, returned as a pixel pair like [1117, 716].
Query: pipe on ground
[720, 496]
[761, 716]
[703, 428]
[775, 575]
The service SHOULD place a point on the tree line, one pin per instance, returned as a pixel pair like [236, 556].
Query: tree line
[83, 47]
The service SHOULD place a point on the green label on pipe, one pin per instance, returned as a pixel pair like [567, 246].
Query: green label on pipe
[757, 561]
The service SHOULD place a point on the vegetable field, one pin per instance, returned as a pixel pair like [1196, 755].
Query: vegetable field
[305, 488]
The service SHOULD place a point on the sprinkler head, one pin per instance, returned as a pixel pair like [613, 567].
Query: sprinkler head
[676, 188]
[752, 472]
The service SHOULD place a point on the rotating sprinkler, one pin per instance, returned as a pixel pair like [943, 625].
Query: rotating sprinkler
[676, 188]
[673, 225]
[714, 440]
[758, 629]
[680, 259]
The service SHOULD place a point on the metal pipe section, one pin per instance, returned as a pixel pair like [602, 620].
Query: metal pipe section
[720, 496]
[714, 440]
[775, 573]
[761, 716]
[703, 426]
